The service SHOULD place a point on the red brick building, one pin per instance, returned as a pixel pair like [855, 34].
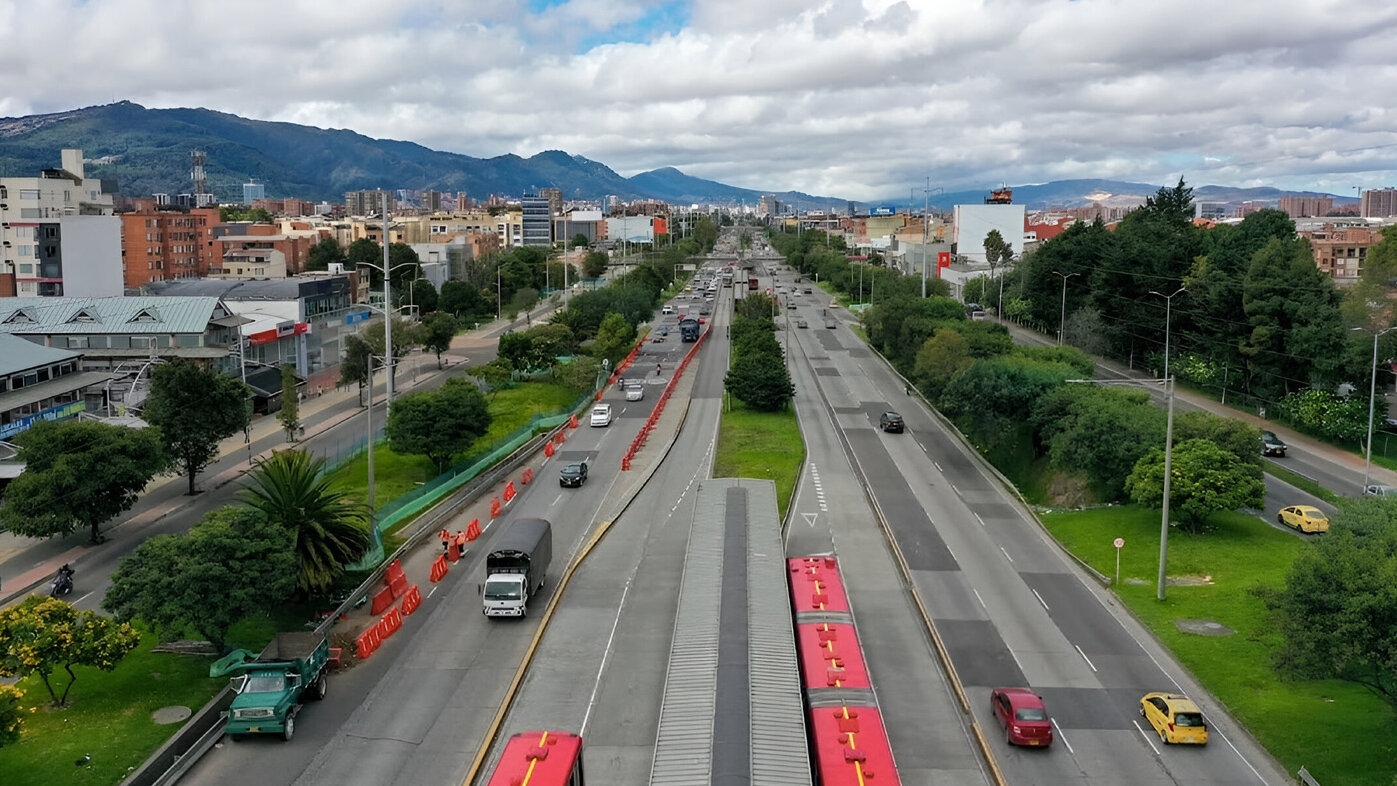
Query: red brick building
[1341, 251]
[166, 243]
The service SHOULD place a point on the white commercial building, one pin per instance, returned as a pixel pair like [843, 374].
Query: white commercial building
[972, 223]
[58, 235]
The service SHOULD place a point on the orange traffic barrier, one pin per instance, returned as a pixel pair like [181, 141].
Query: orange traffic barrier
[548, 449]
[572, 422]
[495, 507]
[411, 601]
[528, 475]
[473, 531]
[381, 601]
[560, 438]
[626, 464]
[367, 642]
[509, 492]
[439, 569]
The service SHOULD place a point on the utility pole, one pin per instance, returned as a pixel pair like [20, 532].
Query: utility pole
[387, 311]
[926, 206]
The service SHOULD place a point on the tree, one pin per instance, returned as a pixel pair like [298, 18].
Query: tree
[357, 365]
[580, 240]
[594, 264]
[437, 331]
[438, 424]
[330, 529]
[325, 253]
[422, 294]
[940, 359]
[78, 474]
[364, 351]
[495, 374]
[231, 564]
[1102, 432]
[42, 634]
[1205, 479]
[462, 299]
[257, 215]
[1335, 612]
[195, 408]
[290, 414]
[614, 338]
[366, 253]
[760, 383]
[11, 714]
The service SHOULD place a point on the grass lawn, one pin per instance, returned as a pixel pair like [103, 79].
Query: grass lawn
[1337, 730]
[762, 445]
[396, 474]
[109, 718]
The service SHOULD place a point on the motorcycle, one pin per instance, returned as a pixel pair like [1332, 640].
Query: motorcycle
[62, 583]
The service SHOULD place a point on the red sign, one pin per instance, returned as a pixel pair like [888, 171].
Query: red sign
[661, 228]
[278, 333]
[943, 259]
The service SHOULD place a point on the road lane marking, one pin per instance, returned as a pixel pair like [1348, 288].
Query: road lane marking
[1063, 737]
[557, 499]
[937, 464]
[1040, 599]
[977, 518]
[956, 490]
[1084, 657]
[982, 600]
[1148, 741]
[83, 598]
[1239, 754]
[1006, 554]
[606, 655]
[433, 590]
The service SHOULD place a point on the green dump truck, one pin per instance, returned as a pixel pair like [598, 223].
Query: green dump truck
[271, 686]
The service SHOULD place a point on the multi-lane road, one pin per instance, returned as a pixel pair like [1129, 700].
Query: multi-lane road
[1011, 608]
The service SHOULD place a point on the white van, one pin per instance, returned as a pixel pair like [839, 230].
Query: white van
[667, 310]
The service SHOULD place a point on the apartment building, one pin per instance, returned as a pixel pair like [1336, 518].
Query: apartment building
[246, 250]
[536, 221]
[1340, 251]
[58, 235]
[165, 243]
[1378, 203]
[368, 203]
[1302, 206]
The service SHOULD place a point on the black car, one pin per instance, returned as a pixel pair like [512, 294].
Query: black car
[573, 475]
[1271, 445]
[890, 422]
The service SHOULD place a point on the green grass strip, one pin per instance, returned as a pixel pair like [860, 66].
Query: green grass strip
[1338, 730]
[762, 445]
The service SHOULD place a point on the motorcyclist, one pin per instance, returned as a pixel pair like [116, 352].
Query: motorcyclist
[63, 582]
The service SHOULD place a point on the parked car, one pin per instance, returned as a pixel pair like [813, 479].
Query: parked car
[800, 323]
[1175, 718]
[601, 415]
[1379, 491]
[573, 475]
[1021, 713]
[891, 422]
[1271, 445]
[1305, 518]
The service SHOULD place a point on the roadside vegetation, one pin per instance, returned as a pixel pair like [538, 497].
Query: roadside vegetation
[761, 445]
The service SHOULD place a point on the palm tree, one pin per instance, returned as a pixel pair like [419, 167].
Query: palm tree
[331, 529]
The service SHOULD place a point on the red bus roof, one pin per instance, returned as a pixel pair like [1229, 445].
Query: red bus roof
[537, 758]
[851, 747]
[816, 584]
[830, 656]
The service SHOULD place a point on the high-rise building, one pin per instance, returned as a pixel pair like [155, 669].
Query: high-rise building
[366, 203]
[1303, 206]
[555, 200]
[163, 245]
[537, 222]
[58, 235]
[431, 202]
[253, 191]
[1378, 203]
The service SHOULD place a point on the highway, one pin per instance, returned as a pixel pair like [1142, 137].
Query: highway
[1011, 608]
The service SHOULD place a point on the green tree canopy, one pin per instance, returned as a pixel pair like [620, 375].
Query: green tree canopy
[330, 529]
[78, 474]
[1205, 480]
[437, 331]
[463, 300]
[1100, 431]
[231, 564]
[940, 359]
[580, 240]
[614, 339]
[12, 714]
[438, 424]
[43, 634]
[195, 409]
[594, 264]
[1335, 612]
[290, 413]
[325, 253]
[760, 383]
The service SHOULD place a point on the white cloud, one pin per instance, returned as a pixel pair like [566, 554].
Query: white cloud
[851, 98]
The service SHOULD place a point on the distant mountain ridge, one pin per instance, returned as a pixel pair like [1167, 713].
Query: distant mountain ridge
[147, 152]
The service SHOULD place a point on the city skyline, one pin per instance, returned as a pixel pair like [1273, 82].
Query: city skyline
[861, 99]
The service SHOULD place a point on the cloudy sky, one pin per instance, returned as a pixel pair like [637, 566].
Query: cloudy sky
[864, 99]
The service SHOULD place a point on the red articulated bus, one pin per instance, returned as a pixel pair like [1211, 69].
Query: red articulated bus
[540, 758]
[847, 737]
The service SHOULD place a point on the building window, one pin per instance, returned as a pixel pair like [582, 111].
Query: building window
[29, 193]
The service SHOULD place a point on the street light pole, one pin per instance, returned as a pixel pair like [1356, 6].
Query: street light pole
[926, 205]
[1372, 399]
[1168, 305]
[387, 307]
[1062, 319]
[1164, 516]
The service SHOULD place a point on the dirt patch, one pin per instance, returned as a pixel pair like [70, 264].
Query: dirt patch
[1203, 627]
[167, 715]
[1069, 491]
[1189, 581]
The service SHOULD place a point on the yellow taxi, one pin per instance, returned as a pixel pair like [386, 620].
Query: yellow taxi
[1304, 518]
[1175, 718]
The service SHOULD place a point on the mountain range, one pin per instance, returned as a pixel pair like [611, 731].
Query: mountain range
[147, 151]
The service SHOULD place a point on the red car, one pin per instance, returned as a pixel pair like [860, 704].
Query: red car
[1024, 718]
